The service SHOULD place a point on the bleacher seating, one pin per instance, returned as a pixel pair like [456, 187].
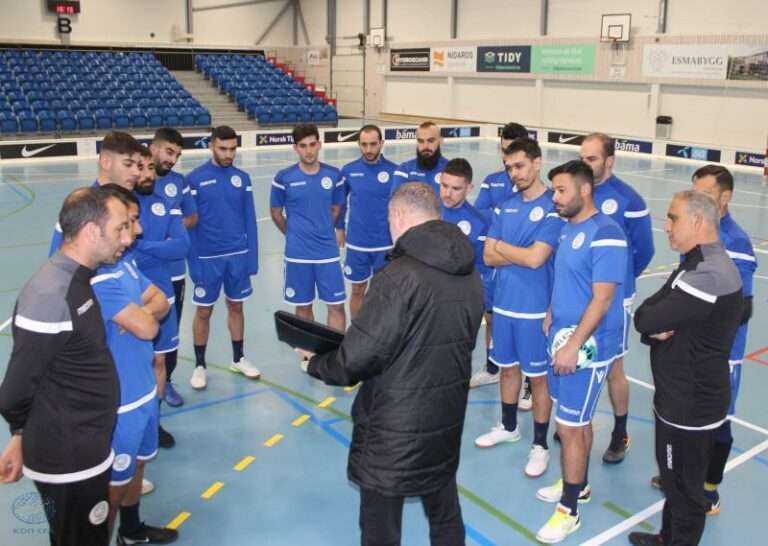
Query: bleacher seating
[49, 91]
[268, 92]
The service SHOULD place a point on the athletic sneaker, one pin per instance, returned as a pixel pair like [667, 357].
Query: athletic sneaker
[497, 435]
[554, 493]
[148, 535]
[645, 539]
[559, 526]
[245, 367]
[164, 438]
[525, 403]
[617, 450]
[483, 377]
[146, 487]
[538, 460]
[171, 396]
[198, 379]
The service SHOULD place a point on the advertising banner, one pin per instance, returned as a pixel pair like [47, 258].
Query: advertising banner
[453, 59]
[566, 59]
[504, 59]
[706, 61]
[409, 60]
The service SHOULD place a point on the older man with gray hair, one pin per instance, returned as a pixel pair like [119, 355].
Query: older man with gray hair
[690, 325]
[411, 345]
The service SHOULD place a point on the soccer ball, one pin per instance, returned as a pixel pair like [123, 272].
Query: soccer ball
[587, 352]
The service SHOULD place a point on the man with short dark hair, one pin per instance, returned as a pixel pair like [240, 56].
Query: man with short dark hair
[520, 244]
[584, 327]
[166, 148]
[311, 194]
[690, 325]
[224, 250]
[617, 199]
[411, 346]
[366, 183]
[429, 161]
[60, 393]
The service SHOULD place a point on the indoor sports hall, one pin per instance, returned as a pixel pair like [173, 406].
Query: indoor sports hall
[678, 84]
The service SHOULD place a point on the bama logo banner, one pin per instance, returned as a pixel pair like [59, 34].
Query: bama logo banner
[409, 133]
[636, 146]
[273, 139]
[38, 149]
[693, 152]
[533, 135]
[750, 160]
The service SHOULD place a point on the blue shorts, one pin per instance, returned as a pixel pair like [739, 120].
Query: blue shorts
[301, 280]
[489, 286]
[624, 346]
[167, 339]
[519, 342]
[360, 265]
[576, 395]
[135, 437]
[211, 273]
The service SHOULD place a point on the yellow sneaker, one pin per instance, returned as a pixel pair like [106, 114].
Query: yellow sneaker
[559, 526]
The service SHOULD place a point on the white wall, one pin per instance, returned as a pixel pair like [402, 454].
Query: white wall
[418, 21]
[315, 17]
[489, 19]
[713, 17]
[241, 25]
[583, 18]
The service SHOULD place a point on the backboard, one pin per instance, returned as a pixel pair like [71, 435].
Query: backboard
[615, 27]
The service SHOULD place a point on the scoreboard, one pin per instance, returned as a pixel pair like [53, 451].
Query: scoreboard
[64, 7]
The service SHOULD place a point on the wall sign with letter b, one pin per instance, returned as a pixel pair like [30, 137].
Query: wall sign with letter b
[64, 25]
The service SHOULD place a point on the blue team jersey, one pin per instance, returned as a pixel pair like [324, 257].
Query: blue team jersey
[367, 187]
[592, 251]
[164, 240]
[739, 248]
[411, 171]
[226, 215]
[495, 189]
[627, 208]
[473, 225]
[522, 292]
[307, 200]
[116, 287]
[173, 187]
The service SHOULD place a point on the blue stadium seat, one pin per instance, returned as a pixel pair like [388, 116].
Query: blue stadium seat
[28, 122]
[121, 118]
[103, 119]
[47, 121]
[138, 118]
[66, 121]
[85, 121]
[187, 116]
[155, 117]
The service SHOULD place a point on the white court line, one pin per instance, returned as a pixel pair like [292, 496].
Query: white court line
[689, 184]
[5, 324]
[731, 204]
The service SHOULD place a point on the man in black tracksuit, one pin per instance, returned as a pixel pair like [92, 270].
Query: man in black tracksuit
[411, 345]
[690, 325]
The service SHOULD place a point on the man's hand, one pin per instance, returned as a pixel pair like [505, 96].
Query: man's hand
[566, 359]
[662, 336]
[306, 356]
[11, 461]
[546, 324]
[341, 238]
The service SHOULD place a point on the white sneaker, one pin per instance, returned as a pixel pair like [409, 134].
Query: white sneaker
[554, 493]
[538, 461]
[304, 365]
[147, 487]
[525, 402]
[246, 368]
[483, 377]
[497, 435]
[198, 380]
[559, 526]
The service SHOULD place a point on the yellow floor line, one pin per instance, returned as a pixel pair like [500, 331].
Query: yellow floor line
[300, 420]
[178, 520]
[212, 490]
[353, 387]
[272, 441]
[327, 402]
[244, 462]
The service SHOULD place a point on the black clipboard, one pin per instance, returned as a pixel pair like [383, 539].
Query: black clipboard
[305, 334]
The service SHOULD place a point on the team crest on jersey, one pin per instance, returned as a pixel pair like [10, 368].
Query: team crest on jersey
[171, 190]
[326, 182]
[578, 241]
[290, 292]
[236, 181]
[536, 214]
[383, 177]
[200, 292]
[158, 209]
[609, 206]
[437, 178]
[347, 270]
[122, 462]
[99, 513]
[465, 227]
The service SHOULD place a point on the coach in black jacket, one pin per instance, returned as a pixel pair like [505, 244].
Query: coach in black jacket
[690, 325]
[411, 345]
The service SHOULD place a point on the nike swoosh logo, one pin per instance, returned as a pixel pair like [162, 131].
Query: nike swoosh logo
[32, 153]
[348, 137]
[562, 140]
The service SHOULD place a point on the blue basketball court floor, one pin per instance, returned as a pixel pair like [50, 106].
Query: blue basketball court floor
[265, 462]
